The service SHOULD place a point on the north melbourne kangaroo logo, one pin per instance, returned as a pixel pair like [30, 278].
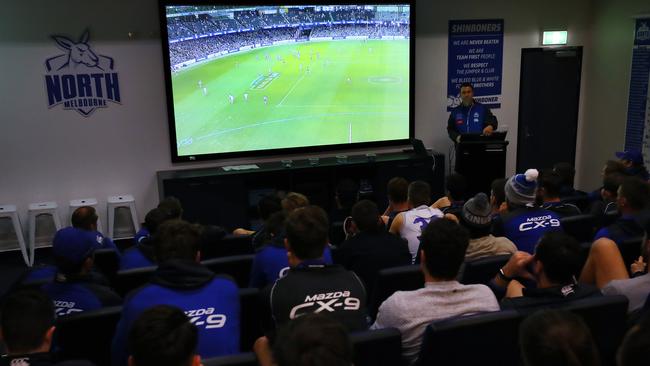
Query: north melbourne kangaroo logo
[80, 79]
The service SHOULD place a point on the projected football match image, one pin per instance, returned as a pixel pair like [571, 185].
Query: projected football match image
[270, 77]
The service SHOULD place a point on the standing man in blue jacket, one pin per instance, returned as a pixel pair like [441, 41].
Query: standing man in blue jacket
[470, 116]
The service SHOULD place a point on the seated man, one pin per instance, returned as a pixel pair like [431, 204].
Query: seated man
[372, 248]
[453, 202]
[163, 335]
[397, 199]
[605, 268]
[632, 160]
[567, 174]
[172, 208]
[548, 195]
[311, 340]
[476, 217]
[553, 337]
[85, 218]
[553, 268]
[211, 301]
[266, 206]
[142, 255]
[611, 167]
[409, 224]
[634, 350]
[345, 196]
[442, 252]
[609, 196]
[524, 224]
[498, 197]
[271, 262]
[633, 197]
[311, 285]
[27, 328]
[75, 288]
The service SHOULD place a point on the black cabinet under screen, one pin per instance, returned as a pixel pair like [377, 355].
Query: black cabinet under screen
[228, 198]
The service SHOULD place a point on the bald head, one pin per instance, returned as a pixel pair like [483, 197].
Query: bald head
[85, 218]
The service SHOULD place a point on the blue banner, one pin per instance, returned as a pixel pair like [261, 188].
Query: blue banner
[475, 56]
[638, 116]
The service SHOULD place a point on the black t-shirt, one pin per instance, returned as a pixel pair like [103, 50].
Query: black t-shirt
[38, 359]
[551, 297]
[315, 287]
[371, 251]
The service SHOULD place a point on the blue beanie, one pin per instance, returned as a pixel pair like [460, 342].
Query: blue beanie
[520, 189]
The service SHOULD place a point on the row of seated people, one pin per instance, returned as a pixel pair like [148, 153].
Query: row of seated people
[312, 286]
[73, 249]
[165, 335]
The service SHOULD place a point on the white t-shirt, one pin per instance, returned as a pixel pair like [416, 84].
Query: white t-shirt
[415, 220]
[411, 311]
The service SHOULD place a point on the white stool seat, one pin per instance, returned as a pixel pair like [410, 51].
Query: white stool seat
[42, 214]
[121, 209]
[9, 212]
[92, 202]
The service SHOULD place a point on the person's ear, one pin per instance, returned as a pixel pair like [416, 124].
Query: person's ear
[49, 335]
[198, 257]
[130, 361]
[286, 245]
[88, 264]
[196, 360]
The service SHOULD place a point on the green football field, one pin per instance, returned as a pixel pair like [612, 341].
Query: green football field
[333, 92]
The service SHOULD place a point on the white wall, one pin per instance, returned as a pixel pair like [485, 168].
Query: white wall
[607, 84]
[59, 155]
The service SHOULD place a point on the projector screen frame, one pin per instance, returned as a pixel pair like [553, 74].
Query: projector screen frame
[291, 151]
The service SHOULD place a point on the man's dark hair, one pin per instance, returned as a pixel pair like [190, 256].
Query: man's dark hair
[560, 255]
[456, 185]
[419, 193]
[347, 192]
[552, 183]
[499, 190]
[313, 340]
[162, 335]
[307, 232]
[268, 205]
[154, 218]
[611, 182]
[398, 189]
[636, 192]
[84, 217]
[365, 215]
[176, 239]
[634, 350]
[557, 337]
[173, 207]
[465, 85]
[444, 243]
[613, 166]
[567, 173]
[25, 318]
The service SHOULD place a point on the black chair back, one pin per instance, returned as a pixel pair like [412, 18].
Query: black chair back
[581, 201]
[480, 339]
[229, 245]
[404, 278]
[581, 227]
[237, 266]
[482, 270]
[242, 359]
[87, 335]
[606, 317]
[250, 317]
[381, 347]
[107, 261]
[337, 235]
[130, 279]
[124, 244]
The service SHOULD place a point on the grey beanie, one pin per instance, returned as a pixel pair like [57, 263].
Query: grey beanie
[478, 211]
[520, 188]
